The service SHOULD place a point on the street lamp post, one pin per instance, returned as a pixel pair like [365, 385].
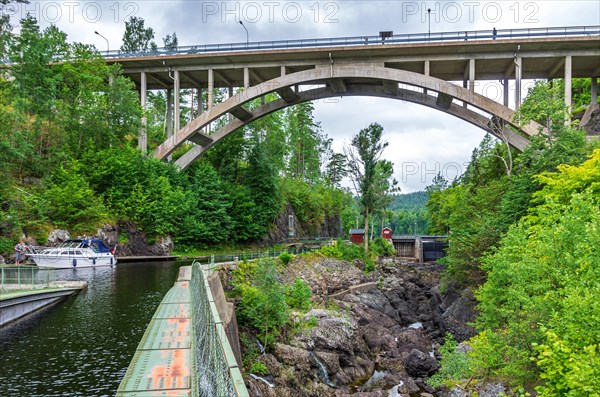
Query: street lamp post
[107, 44]
[428, 24]
[247, 35]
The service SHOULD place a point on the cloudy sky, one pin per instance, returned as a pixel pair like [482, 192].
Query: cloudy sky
[422, 141]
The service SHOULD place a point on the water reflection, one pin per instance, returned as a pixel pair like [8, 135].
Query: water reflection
[82, 346]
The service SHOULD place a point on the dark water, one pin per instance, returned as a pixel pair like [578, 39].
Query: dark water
[82, 346]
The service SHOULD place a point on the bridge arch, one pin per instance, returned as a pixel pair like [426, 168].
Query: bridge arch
[352, 80]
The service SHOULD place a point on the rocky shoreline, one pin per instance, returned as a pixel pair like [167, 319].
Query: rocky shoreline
[378, 340]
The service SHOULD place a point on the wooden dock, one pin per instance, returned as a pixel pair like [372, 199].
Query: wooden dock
[130, 259]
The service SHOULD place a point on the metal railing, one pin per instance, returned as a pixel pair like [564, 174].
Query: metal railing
[250, 255]
[217, 372]
[26, 278]
[408, 38]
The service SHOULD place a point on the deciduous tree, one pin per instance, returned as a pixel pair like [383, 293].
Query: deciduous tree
[370, 175]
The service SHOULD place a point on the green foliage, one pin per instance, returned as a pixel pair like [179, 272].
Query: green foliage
[408, 201]
[382, 247]
[455, 365]
[568, 370]
[408, 214]
[544, 104]
[258, 368]
[369, 266]
[297, 296]
[336, 169]
[371, 176]
[285, 257]
[332, 251]
[6, 245]
[469, 212]
[343, 250]
[312, 203]
[69, 202]
[137, 38]
[541, 291]
[263, 304]
[306, 142]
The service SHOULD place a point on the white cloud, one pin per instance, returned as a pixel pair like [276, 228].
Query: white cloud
[422, 141]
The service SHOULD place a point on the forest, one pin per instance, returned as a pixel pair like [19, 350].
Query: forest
[524, 228]
[70, 160]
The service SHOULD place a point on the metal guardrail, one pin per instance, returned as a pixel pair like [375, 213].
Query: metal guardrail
[26, 277]
[215, 366]
[246, 256]
[417, 38]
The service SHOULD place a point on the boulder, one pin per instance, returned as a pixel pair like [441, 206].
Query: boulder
[332, 333]
[376, 300]
[292, 356]
[420, 364]
[590, 121]
[459, 314]
[273, 366]
[58, 236]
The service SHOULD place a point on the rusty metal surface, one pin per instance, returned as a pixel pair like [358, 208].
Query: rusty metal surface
[162, 364]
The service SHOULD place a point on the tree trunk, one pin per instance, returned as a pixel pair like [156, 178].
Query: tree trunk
[366, 235]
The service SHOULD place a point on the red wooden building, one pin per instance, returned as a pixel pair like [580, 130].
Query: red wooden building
[357, 236]
[386, 233]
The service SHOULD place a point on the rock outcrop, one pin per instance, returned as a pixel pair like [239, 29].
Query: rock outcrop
[380, 340]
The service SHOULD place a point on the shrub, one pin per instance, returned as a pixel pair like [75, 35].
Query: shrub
[352, 251]
[331, 251]
[369, 266]
[455, 365]
[382, 247]
[285, 257]
[6, 245]
[258, 368]
[568, 370]
[298, 295]
[263, 304]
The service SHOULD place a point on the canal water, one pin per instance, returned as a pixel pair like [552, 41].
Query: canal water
[82, 346]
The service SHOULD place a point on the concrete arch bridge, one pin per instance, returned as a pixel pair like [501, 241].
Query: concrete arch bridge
[422, 70]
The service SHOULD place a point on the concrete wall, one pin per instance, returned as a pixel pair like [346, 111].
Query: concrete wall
[227, 313]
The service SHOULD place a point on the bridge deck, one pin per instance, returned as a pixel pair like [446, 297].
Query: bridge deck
[162, 363]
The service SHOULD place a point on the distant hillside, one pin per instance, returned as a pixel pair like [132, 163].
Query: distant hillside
[410, 201]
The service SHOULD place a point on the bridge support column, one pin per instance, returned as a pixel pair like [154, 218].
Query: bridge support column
[210, 95]
[230, 94]
[142, 138]
[246, 78]
[169, 113]
[505, 93]
[594, 92]
[211, 87]
[283, 71]
[471, 77]
[200, 109]
[568, 89]
[426, 72]
[200, 104]
[177, 108]
[169, 116]
[518, 63]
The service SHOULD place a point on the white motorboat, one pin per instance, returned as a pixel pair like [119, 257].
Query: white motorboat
[73, 254]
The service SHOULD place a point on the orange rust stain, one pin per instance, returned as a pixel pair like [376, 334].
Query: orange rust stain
[179, 368]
